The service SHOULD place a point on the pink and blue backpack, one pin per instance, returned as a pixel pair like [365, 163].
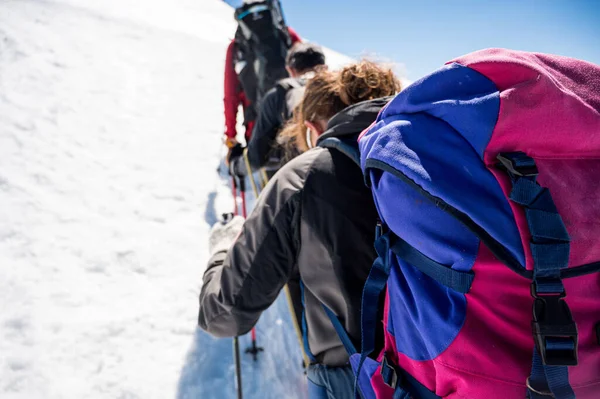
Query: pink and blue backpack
[486, 177]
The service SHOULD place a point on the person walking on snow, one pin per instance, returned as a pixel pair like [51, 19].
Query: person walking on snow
[313, 224]
[242, 81]
[276, 109]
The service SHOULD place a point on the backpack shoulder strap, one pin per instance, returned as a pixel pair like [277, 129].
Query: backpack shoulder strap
[343, 146]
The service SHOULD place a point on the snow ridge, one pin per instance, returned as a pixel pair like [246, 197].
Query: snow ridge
[110, 136]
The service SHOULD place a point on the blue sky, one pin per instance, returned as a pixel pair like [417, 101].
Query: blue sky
[424, 34]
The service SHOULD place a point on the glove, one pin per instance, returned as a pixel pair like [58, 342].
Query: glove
[235, 152]
[223, 234]
[237, 167]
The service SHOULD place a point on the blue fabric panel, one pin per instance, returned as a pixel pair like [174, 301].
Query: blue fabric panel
[427, 315]
[460, 96]
[434, 232]
[435, 133]
[368, 369]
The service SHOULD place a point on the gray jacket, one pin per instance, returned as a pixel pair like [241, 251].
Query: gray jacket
[315, 221]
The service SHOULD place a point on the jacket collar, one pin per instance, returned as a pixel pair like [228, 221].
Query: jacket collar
[352, 120]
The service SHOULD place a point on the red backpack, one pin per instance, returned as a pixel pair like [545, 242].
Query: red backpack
[486, 176]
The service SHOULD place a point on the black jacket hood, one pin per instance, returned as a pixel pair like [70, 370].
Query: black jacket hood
[351, 121]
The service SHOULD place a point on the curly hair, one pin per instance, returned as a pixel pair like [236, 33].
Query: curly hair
[329, 92]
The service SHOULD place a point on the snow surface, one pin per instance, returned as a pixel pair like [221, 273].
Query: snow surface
[110, 137]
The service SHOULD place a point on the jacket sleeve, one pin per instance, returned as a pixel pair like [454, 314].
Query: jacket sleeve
[294, 36]
[270, 120]
[231, 93]
[240, 284]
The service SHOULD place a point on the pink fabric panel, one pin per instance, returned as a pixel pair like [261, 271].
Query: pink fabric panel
[550, 109]
[491, 356]
[382, 391]
[575, 188]
[578, 201]
[550, 105]
[584, 300]
[475, 363]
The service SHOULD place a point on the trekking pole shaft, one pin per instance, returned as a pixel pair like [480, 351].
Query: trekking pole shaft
[242, 186]
[238, 366]
[250, 175]
[264, 179]
[288, 294]
[243, 195]
[234, 192]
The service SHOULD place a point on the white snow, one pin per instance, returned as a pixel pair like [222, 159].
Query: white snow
[110, 137]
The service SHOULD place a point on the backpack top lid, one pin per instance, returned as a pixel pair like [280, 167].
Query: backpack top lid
[550, 104]
[445, 131]
[554, 99]
[255, 16]
[250, 7]
[253, 13]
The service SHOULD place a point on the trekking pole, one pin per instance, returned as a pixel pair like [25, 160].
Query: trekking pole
[236, 341]
[264, 179]
[242, 183]
[297, 328]
[238, 367]
[249, 173]
[253, 349]
[234, 192]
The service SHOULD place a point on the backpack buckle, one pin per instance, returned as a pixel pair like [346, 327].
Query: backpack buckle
[554, 331]
[388, 372]
[518, 164]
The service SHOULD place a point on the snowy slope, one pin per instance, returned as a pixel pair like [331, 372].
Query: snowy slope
[110, 136]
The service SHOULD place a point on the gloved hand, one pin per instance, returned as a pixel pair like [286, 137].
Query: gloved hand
[237, 151]
[223, 234]
[235, 161]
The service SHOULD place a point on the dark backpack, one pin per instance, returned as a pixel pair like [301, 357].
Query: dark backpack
[292, 91]
[262, 41]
